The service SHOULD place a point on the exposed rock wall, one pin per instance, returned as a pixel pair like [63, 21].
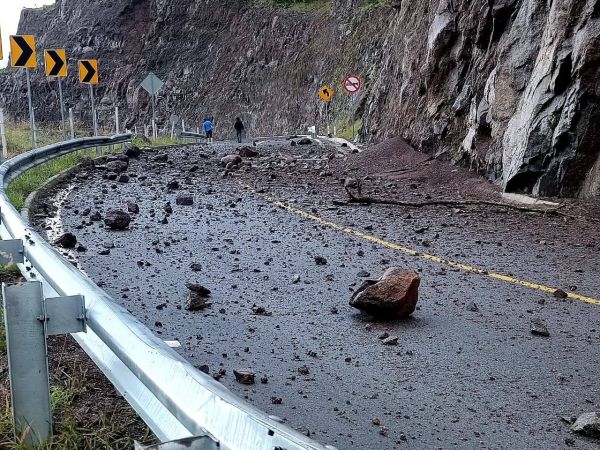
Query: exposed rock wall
[507, 87]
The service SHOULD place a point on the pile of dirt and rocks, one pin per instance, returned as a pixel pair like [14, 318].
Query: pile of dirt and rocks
[397, 160]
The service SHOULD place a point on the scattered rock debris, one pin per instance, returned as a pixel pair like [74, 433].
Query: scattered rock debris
[320, 260]
[260, 311]
[247, 152]
[559, 293]
[539, 328]
[472, 307]
[391, 340]
[197, 298]
[184, 200]
[133, 208]
[244, 376]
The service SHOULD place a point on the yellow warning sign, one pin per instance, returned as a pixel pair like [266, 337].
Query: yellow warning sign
[88, 71]
[1, 55]
[22, 51]
[56, 63]
[326, 93]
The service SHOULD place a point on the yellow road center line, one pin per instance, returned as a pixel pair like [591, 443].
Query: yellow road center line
[409, 251]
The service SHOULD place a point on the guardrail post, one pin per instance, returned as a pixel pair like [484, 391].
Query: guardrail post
[71, 123]
[29, 319]
[3, 136]
[117, 127]
[28, 366]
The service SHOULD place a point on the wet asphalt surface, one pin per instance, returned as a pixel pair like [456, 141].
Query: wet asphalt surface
[457, 378]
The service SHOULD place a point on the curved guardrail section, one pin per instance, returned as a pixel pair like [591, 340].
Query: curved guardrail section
[175, 399]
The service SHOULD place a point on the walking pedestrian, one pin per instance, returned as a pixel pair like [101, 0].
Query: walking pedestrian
[208, 130]
[239, 129]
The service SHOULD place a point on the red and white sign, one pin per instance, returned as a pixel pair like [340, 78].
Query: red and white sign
[352, 84]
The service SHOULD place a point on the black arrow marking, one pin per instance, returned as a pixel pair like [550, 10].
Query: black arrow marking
[90, 71]
[58, 63]
[25, 48]
[326, 92]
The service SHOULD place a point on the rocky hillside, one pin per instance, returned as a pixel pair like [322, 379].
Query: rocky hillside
[507, 87]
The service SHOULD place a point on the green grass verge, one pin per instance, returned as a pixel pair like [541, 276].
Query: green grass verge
[162, 141]
[108, 431]
[344, 129]
[18, 137]
[33, 179]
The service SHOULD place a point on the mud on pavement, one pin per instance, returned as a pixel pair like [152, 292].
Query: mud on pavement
[466, 372]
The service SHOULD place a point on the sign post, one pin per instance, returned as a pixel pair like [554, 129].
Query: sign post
[22, 54]
[152, 84]
[56, 67]
[352, 84]
[88, 74]
[326, 94]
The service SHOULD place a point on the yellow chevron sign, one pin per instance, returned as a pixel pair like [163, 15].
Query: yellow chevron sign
[22, 51]
[56, 63]
[88, 71]
[1, 55]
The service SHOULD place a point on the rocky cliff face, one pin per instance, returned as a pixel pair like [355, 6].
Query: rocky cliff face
[507, 87]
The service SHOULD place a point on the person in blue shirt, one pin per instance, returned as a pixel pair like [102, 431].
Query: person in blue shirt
[208, 130]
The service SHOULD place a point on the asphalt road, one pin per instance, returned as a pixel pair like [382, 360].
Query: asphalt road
[457, 379]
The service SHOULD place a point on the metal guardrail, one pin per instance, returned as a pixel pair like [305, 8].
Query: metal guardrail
[187, 136]
[175, 399]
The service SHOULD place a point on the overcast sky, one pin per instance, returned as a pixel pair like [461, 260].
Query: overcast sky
[10, 11]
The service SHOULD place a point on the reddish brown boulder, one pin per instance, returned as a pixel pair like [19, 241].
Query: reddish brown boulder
[395, 294]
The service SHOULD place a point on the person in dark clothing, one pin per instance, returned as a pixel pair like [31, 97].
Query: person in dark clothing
[239, 129]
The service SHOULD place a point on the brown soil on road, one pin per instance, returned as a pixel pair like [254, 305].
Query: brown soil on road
[396, 160]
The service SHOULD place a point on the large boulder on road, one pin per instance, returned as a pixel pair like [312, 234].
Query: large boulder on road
[247, 152]
[231, 160]
[132, 152]
[87, 163]
[305, 141]
[67, 240]
[395, 294]
[115, 219]
[587, 424]
[117, 166]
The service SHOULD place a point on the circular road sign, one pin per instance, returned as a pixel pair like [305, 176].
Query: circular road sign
[326, 93]
[352, 84]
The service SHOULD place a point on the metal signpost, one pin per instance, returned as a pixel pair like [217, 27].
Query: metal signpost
[352, 85]
[152, 84]
[326, 94]
[88, 74]
[56, 67]
[22, 55]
